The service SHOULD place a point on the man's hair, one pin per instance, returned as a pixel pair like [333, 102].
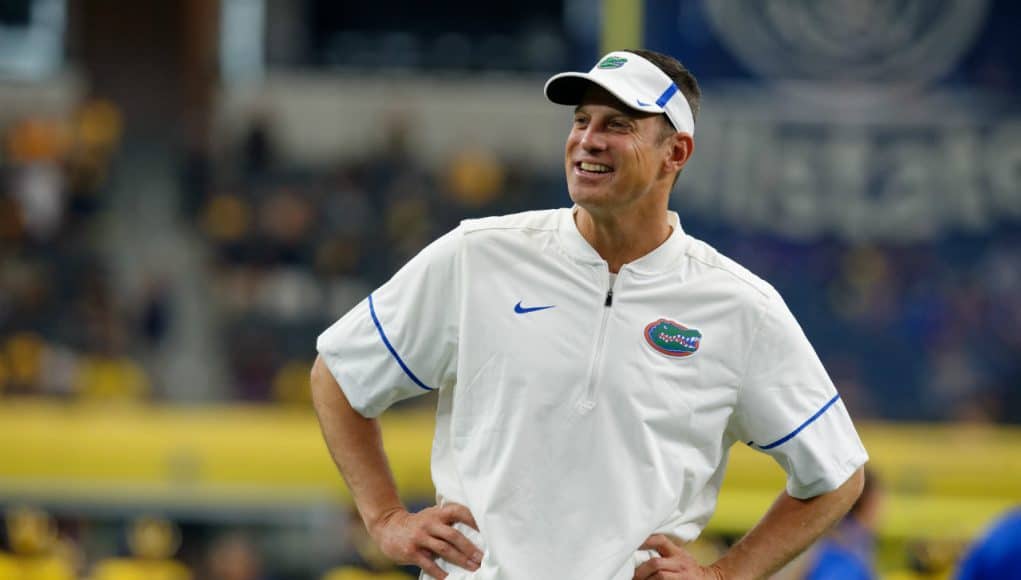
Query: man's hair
[685, 82]
[678, 73]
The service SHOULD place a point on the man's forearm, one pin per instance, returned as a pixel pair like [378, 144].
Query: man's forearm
[788, 528]
[356, 445]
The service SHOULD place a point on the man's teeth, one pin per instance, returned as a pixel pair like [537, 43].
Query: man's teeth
[597, 167]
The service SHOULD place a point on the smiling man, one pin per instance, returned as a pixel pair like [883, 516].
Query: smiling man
[594, 366]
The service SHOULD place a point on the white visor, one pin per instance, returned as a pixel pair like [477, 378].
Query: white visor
[638, 83]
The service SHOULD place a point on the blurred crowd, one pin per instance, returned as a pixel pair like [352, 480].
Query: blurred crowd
[35, 545]
[921, 331]
[294, 248]
[929, 331]
[64, 332]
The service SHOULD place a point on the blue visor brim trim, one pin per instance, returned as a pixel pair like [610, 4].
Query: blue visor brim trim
[389, 347]
[665, 97]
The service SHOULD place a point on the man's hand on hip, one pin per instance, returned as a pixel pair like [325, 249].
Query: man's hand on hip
[675, 564]
[419, 538]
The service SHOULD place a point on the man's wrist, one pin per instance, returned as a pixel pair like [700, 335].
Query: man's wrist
[378, 518]
[716, 572]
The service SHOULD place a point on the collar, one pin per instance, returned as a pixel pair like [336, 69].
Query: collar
[659, 260]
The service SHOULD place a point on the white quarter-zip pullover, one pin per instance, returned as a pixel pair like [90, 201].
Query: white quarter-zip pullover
[579, 415]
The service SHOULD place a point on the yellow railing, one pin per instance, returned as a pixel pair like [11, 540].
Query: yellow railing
[942, 481]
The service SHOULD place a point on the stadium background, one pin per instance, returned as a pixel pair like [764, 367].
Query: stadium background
[192, 190]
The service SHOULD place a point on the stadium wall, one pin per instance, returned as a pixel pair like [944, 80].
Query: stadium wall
[944, 481]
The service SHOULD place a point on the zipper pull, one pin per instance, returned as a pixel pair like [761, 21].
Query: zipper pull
[609, 298]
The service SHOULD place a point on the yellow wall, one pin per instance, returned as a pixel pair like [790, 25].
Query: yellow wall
[943, 481]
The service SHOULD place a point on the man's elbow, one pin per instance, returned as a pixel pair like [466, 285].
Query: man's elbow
[851, 490]
[845, 495]
[856, 484]
[321, 381]
[317, 370]
[327, 396]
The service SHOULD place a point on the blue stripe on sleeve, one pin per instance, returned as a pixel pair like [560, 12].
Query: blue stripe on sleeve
[389, 347]
[793, 433]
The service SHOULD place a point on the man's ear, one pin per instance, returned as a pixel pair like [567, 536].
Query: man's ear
[682, 145]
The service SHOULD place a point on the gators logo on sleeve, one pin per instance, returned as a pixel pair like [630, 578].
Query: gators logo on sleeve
[672, 338]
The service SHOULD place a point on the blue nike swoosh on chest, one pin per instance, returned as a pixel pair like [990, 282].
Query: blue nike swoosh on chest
[518, 308]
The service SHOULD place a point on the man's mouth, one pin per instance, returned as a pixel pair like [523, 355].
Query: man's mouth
[587, 167]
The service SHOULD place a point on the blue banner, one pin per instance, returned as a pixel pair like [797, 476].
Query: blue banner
[888, 120]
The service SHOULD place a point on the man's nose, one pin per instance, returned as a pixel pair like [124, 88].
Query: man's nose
[592, 139]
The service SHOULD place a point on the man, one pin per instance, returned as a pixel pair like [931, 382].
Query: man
[595, 364]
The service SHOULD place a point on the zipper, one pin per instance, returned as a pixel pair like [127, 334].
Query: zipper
[587, 402]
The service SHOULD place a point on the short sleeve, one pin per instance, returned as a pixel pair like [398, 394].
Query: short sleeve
[401, 341]
[789, 408]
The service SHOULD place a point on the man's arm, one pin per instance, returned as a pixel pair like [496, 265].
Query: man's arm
[788, 528]
[356, 445]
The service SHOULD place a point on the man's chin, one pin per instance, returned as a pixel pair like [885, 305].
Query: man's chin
[589, 193]
[591, 197]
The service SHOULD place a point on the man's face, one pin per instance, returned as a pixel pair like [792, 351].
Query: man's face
[614, 155]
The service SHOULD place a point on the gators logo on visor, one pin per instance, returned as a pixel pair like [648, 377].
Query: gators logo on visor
[672, 338]
[612, 62]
